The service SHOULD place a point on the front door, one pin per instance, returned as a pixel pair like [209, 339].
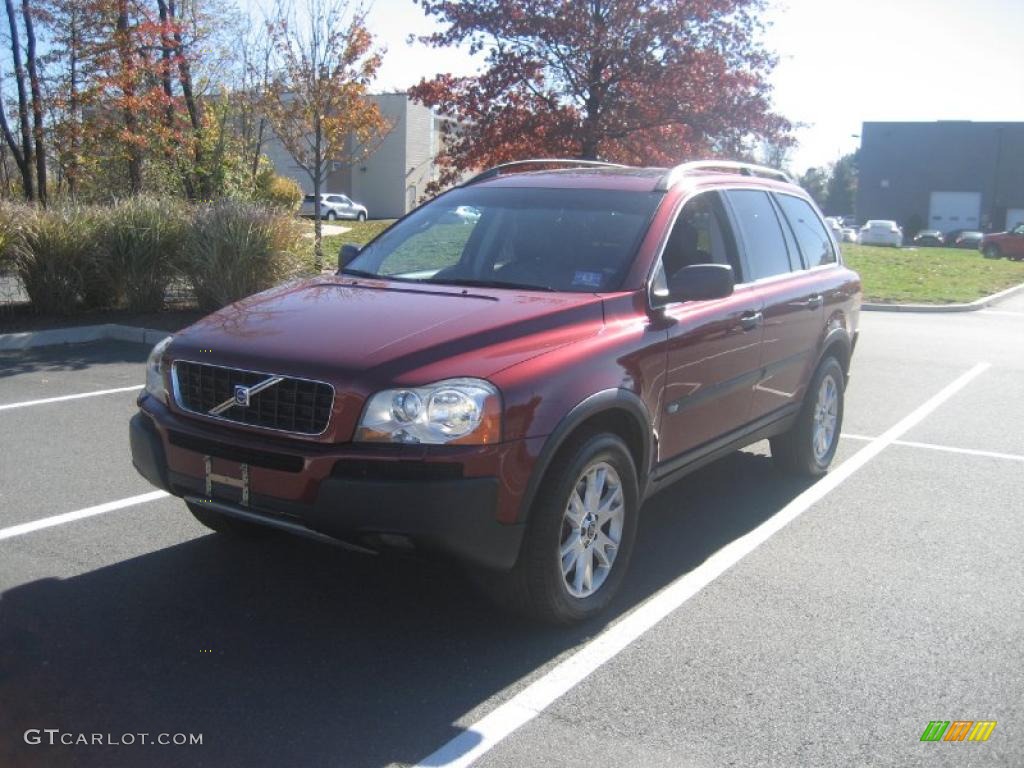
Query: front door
[1015, 243]
[714, 347]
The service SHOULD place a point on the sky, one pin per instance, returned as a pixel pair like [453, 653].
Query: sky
[841, 62]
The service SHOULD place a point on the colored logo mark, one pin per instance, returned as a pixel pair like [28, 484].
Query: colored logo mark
[958, 730]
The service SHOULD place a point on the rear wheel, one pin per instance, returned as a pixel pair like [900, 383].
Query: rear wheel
[331, 216]
[580, 536]
[992, 252]
[221, 523]
[810, 444]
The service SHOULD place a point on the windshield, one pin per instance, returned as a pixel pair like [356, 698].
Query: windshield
[580, 240]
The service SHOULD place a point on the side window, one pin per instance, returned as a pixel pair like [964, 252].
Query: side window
[335, 199]
[814, 241]
[701, 235]
[761, 231]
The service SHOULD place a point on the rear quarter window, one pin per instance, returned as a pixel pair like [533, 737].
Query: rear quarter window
[811, 234]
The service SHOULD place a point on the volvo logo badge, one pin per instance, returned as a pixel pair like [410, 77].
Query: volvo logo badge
[243, 395]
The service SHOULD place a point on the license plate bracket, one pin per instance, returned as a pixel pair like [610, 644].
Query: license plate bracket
[242, 483]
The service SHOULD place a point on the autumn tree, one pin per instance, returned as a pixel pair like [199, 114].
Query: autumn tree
[66, 74]
[28, 147]
[316, 97]
[637, 81]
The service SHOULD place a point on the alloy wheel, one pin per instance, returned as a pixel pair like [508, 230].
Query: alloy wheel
[592, 528]
[826, 412]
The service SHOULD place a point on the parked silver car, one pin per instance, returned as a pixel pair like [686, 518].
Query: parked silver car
[333, 206]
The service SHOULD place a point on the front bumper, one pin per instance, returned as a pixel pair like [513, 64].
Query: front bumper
[352, 502]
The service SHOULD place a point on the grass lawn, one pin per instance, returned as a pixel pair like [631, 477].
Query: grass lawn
[359, 232]
[929, 275]
[438, 247]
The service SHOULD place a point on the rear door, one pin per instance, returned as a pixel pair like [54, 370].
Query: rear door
[714, 347]
[792, 294]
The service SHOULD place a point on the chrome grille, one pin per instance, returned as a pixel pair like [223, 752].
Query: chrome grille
[293, 405]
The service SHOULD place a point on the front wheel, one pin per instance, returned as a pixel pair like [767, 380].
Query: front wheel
[361, 216]
[580, 536]
[810, 444]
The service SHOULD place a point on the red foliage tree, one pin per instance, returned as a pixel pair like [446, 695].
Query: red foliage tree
[648, 82]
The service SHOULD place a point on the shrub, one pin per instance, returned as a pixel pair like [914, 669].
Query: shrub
[278, 191]
[141, 242]
[55, 257]
[11, 215]
[234, 249]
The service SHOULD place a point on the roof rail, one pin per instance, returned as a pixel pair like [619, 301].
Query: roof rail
[498, 170]
[730, 166]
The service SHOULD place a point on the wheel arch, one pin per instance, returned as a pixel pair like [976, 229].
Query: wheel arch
[838, 344]
[617, 411]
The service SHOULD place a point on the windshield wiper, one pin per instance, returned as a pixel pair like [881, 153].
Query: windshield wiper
[359, 273]
[470, 282]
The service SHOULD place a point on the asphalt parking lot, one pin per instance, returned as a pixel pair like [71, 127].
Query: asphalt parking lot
[765, 622]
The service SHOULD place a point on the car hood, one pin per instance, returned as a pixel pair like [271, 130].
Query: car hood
[367, 334]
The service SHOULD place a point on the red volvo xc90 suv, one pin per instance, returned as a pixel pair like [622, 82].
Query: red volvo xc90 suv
[506, 373]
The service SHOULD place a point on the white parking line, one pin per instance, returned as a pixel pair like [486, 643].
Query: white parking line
[486, 733]
[70, 517]
[62, 398]
[946, 448]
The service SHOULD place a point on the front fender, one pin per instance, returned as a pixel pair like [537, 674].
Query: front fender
[605, 401]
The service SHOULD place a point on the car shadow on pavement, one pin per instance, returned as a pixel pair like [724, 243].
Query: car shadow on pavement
[70, 357]
[286, 652]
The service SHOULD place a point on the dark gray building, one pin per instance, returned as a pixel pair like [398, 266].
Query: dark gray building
[946, 175]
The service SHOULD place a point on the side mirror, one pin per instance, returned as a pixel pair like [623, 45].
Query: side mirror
[348, 252]
[701, 282]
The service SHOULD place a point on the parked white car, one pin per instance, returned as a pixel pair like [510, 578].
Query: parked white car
[333, 206]
[836, 226]
[850, 235]
[468, 214]
[881, 232]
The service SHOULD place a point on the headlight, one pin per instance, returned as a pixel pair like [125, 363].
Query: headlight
[155, 370]
[462, 411]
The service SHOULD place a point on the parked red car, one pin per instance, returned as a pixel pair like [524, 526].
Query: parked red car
[508, 388]
[1009, 244]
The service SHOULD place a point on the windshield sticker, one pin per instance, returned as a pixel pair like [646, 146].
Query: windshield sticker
[587, 279]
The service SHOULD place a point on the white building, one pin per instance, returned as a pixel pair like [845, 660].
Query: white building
[392, 180]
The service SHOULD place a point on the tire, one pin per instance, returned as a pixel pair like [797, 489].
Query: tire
[992, 252]
[537, 586]
[798, 451]
[331, 216]
[361, 216]
[220, 523]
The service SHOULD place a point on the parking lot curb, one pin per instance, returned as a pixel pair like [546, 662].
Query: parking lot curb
[973, 306]
[79, 335]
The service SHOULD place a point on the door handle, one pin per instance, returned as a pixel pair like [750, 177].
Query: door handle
[815, 302]
[750, 320]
